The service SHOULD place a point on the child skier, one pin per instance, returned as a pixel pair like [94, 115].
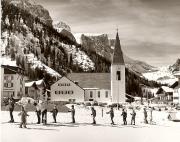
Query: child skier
[54, 113]
[72, 113]
[111, 112]
[11, 103]
[93, 115]
[124, 114]
[133, 117]
[23, 115]
[145, 116]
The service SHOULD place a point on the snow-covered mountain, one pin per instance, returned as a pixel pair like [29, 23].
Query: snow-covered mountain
[59, 26]
[163, 75]
[25, 36]
[35, 9]
[103, 45]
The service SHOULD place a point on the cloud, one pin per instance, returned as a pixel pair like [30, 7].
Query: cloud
[153, 24]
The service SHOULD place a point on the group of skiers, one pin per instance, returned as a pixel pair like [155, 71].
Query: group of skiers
[43, 113]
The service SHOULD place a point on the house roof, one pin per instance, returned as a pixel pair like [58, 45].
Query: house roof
[12, 69]
[165, 89]
[118, 55]
[178, 86]
[31, 83]
[177, 73]
[92, 80]
[39, 82]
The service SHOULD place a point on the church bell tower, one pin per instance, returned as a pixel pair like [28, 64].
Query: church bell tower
[118, 88]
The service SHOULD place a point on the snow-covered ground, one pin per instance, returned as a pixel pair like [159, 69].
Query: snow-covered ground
[163, 75]
[163, 129]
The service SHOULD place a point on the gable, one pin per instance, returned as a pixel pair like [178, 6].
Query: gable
[64, 81]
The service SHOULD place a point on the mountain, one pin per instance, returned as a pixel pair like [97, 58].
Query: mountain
[31, 42]
[164, 75]
[33, 8]
[103, 46]
[27, 39]
[59, 26]
[175, 66]
[64, 29]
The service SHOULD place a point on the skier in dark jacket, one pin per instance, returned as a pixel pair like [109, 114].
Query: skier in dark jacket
[124, 114]
[11, 103]
[54, 113]
[23, 115]
[111, 112]
[133, 117]
[44, 112]
[93, 115]
[72, 113]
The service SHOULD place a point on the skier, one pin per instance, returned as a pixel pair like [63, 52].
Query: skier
[72, 113]
[38, 111]
[151, 117]
[54, 113]
[44, 112]
[145, 116]
[23, 115]
[11, 103]
[124, 114]
[93, 115]
[133, 117]
[111, 112]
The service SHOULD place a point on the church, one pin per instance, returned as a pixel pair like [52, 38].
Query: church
[100, 87]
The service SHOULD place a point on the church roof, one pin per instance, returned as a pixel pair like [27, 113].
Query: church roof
[92, 80]
[118, 55]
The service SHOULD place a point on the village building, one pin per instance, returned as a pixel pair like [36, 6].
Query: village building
[66, 90]
[35, 89]
[12, 81]
[176, 87]
[96, 85]
[165, 95]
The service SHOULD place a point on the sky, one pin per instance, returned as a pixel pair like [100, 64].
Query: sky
[149, 30]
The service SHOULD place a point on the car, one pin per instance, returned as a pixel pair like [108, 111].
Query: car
[174, 116]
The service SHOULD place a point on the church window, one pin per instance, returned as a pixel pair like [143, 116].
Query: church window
[118, 75]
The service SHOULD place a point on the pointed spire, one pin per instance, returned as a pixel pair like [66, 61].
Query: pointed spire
[118, 55]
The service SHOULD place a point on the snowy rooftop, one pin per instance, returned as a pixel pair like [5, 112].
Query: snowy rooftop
[167, 89]
[177, 73]
[29, 84]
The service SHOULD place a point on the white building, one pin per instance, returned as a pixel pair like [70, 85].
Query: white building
[66, 90]
[176, 87]
[118, 87]
[96, 85]
[12, 81]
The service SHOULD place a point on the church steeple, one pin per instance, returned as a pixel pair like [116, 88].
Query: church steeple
[118, 55]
